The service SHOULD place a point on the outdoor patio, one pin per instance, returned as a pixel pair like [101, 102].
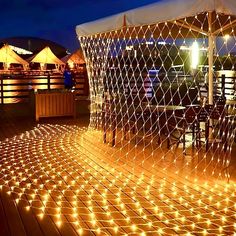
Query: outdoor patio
[157, 154]
[58, 178]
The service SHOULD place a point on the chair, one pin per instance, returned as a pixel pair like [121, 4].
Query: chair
[202, 117]
[228, 137]
[217, 119]
[109, 121]
[139, 121]
[221, 130]
[189, 123]
[129, 120]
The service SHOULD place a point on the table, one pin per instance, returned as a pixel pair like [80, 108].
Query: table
[147, 119]
[164, 115]
[144, 110]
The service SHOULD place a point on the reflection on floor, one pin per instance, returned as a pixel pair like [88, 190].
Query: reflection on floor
[65, 181]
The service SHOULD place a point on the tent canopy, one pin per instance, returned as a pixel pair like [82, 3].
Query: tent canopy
[164, 20]
[163, 11]
[8, 56]
[76, 58]
[46, 56]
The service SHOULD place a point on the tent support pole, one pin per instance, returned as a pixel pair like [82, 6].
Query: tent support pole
[210, 59]
[210, 63]
[210, 72]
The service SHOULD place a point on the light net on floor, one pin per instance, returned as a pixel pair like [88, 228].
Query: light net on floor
[151, 96]
[151, 107]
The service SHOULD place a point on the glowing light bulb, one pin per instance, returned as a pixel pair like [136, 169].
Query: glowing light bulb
[134, 227]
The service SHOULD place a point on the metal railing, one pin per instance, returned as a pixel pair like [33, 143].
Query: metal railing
[224, 86]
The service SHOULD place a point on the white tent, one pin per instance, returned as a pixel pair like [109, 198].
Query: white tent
[46, 56]
[215, 18]
[76, 58]
[165, 10]
[8, 56]
[145, 110]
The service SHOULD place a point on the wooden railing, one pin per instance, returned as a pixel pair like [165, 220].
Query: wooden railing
[18, 87]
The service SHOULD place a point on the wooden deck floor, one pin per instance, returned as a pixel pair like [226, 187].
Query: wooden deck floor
[58, 178]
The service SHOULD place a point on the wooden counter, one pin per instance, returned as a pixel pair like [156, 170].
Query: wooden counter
[52, 104]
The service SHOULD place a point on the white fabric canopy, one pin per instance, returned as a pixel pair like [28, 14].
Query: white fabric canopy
[77, 57]
[46, 56]
[8, 56]
[164, 10]
[175, 19]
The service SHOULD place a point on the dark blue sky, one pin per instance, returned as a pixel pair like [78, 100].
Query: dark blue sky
[56, 19]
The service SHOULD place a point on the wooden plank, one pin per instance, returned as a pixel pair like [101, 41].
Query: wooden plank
[48, 227]
[46, 223]
[97, 160]
[55, 104]
[54, 107]
[4, 228]
[29, 221]
[46, 104]
[36, 108]
[14, 220]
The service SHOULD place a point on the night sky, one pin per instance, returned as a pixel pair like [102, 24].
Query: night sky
[56, 19]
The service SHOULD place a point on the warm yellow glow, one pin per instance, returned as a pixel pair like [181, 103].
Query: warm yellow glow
[87, 188]
[226, 37]
[195, 55]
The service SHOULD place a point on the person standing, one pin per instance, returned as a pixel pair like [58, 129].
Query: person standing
[68, 80]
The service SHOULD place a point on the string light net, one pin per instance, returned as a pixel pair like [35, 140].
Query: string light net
[138, 169]
[160, 93]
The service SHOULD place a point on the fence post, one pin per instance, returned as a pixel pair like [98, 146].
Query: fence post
[223, 85]
[49, 85]
[2, 99]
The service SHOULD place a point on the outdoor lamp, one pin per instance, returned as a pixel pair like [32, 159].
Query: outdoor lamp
[195, 55]
[226, 37]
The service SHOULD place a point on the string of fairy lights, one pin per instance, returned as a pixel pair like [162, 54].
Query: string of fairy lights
[55, 172]
[134, 183]
[136, 71]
